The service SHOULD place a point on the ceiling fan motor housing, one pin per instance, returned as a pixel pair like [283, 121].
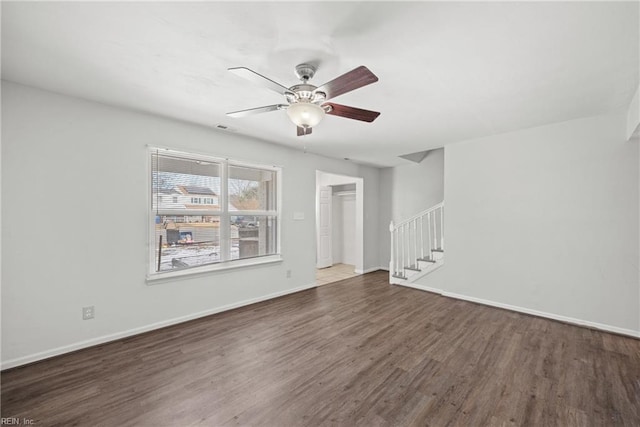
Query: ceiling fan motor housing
[306, 93]
[305, 72]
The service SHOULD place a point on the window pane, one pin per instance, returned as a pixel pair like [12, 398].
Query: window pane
[253, 236]
[183, 241]
[251, 189]
[192, 228]
[180, 183]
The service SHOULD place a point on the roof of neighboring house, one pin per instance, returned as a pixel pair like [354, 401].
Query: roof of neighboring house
[193, 189]
[167, 191]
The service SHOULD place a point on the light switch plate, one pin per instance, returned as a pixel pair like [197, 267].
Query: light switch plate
[88, 312]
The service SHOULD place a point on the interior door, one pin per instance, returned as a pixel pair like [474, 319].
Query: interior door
[324, 258]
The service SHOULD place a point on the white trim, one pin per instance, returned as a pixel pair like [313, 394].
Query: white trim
[419, 287]
[340, 180]
[189, 212]
[198, 155]
[224, 226]
[418, 215]
[135, 331]
[425, 271]
[558, 317]
[153, 278]
[573, 321]
[151, 223]
[253, 213]
[279, 181]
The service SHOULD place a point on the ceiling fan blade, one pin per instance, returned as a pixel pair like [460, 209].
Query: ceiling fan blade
[351, 112]
[303, 131]
[258, 110]
[347, 82]
[259, 79]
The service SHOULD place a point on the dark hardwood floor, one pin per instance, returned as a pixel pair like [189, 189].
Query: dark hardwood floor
[357, 352]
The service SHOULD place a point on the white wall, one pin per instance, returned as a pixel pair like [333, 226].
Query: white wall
[406, 190]
[547, 219]
[416, 186]
[63, 250]
[633, 114]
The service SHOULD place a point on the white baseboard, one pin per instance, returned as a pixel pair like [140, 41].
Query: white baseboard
[368, 270]
[426, 271]
[135, 331]
[419, 287]
[565, 319]
[574, 321]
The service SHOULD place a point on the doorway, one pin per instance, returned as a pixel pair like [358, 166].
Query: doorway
[339, 227]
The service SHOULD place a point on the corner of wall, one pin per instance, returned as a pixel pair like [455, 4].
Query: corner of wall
[633, 115]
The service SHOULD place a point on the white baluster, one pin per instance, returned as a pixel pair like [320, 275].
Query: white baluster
[415, 242]
[422, 236]
[429, 234]
[407, 228]
[397, 253]
[401, 247]
[435, 232]
[392, 260]
[409, 245]
[398, 250]
[442, 227]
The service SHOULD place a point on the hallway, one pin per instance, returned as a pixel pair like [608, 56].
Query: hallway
[334, 273]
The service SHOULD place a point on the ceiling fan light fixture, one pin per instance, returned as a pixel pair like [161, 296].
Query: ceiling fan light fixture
[306, 104]
[305, 114]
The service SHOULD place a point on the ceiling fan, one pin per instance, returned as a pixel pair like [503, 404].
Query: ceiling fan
[306, 103]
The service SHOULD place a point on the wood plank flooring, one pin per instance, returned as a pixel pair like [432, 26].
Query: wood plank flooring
[357, 352]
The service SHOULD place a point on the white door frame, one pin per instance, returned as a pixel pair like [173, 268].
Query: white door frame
[328, 178]
[324, 227]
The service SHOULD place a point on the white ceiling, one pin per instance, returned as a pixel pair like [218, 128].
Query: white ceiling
[448, 71]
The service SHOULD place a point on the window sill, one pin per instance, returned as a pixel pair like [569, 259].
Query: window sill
[155, 278]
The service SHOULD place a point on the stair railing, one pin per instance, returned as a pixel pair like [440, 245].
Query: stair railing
[416, 239]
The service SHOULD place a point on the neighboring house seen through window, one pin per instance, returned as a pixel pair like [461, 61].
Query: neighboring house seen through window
[209, 212]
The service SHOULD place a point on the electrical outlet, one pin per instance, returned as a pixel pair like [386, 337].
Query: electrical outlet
[288, 274]
[88, 312]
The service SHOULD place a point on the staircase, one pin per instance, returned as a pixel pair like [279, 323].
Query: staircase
[417, 245]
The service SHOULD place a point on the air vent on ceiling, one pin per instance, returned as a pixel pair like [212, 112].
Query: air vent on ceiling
[226, 128]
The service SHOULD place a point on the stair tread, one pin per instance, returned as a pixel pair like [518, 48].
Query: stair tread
[426, 259]
[399, 276]
[437, 250]
[412, 268]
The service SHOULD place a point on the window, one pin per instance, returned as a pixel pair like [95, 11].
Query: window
[220, 212]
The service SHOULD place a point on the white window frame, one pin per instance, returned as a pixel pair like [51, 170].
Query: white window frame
[224, 213]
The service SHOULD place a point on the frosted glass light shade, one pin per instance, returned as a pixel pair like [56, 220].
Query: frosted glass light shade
[305, 114]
